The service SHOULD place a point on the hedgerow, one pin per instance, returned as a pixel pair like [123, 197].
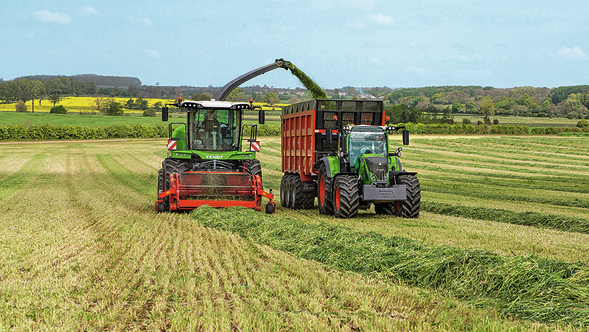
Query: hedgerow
[57, 132]
[528, 287]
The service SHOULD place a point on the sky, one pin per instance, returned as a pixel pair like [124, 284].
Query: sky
[338, 43]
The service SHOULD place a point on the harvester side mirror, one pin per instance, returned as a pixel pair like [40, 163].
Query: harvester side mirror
[405, 137]
[165, 113]
[329, 136]
[262, 116]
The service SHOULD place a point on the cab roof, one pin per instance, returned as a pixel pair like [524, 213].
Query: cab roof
[213, 104]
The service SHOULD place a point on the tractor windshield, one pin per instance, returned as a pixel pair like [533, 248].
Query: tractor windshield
[366, 139]
[214, 129]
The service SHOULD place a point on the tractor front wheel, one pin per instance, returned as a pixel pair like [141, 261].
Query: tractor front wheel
[409, 208]
[324, 192]
[346, 198]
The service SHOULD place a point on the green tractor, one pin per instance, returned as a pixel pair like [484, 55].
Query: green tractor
[364, 172]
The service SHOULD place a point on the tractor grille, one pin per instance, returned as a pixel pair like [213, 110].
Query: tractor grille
[377, 165]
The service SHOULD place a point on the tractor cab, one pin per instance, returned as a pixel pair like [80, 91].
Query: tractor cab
[369, 140]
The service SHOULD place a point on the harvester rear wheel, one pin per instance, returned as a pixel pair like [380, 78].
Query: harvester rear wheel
[346, 198]
[410, 207]
[324, 192]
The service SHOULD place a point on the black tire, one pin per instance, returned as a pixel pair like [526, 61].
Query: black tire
[346, 196]
[161, 184]
[308, 200]
[283, 190]
[386, 208]
[171, 166]
[296, 192]
[286, 191]
[254, 167]
[410, 207]
[324, 192]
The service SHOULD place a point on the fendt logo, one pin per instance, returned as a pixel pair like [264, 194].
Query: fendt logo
[214, 157]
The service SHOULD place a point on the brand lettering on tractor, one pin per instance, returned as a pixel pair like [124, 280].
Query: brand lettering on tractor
[214, 157]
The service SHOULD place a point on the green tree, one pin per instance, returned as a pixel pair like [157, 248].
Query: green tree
[20, 106]
[114, 108]
[58, 110]
[54, 98]
[271, 99]
[237, 95]
[487, 109]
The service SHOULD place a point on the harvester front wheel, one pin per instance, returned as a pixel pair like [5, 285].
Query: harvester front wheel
[254, 167]
[410, 207]
[346, 198]
[324, 192]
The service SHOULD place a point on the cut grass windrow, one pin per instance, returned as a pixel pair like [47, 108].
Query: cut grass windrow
[535, 219]
[527, 287]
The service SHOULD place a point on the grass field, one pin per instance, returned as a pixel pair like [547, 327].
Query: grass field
[82, 249]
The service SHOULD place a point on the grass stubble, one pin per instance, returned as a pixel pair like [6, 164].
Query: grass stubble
[81, 248]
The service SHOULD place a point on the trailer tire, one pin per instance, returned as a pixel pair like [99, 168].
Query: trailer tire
[296, 192]
[324, 192]
[410, 207]
[346, 196]
[283, 190]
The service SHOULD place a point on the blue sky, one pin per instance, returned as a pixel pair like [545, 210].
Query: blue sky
[338, 43]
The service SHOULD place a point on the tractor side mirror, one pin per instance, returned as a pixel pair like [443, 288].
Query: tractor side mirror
[405, 137]
[329, 136]
[165, 113]
[262, 116]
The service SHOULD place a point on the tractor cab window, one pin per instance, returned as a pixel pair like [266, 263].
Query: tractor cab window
[366, 139]
[214, 130]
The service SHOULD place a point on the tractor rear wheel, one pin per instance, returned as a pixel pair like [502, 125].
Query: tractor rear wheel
[410, 207]
[324, 192]
[346, 197]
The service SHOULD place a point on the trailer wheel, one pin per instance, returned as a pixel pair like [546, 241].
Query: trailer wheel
[410, 207]
[283, 190]
[324, 192]
[346, 198]
[296, 192]
[287, 191]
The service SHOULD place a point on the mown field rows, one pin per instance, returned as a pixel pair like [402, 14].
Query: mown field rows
[81, 247]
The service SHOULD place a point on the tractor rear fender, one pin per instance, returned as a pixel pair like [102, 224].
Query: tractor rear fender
[332, 165]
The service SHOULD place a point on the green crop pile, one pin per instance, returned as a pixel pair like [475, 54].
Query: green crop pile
[527, 287]
[529, 218]
[315, 90]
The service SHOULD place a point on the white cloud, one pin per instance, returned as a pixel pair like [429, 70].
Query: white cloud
[152, 53]
[381, 19]
[140, 20]
[87, 10]
[46, 16]
[574, 53]
[357, 26]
